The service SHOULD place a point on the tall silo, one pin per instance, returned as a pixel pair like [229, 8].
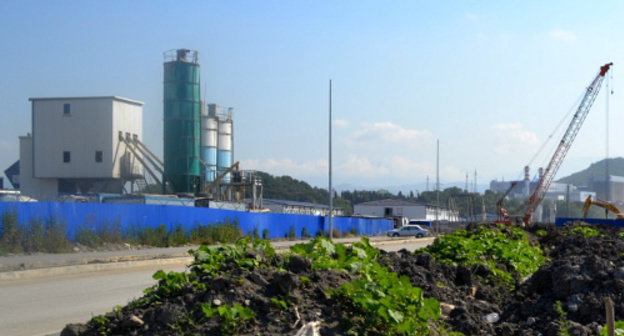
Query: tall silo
[182, 104]
[209, 131]
[224, 145]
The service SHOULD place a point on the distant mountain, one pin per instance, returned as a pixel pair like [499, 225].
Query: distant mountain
[616, 167]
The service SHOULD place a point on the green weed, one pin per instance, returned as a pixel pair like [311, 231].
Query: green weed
[231, 316]
[562, 321]
[492, 247]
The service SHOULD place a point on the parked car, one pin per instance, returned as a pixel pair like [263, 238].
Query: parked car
[409, 230]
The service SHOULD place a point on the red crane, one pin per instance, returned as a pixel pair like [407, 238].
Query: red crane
[562, 149]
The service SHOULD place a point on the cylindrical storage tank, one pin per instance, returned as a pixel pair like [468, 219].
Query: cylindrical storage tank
[209, 131]
[224, 146]
[182, 105]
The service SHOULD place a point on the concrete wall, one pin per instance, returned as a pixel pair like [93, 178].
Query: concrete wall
[126, 118]
[40, 189]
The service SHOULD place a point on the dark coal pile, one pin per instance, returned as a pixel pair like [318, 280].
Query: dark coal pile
[282, 293]
[465, 296]
[582, 273]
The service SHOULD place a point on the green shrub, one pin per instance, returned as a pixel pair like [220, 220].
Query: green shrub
[88, 237]
[154, 236]
[55, 239]
[34, 236]
[265, 234]
[110, 232]
[291, 234]
[177, 236]
[304, 233]
[11, 234]
[319, 233]
[226, 232]
[254, 233]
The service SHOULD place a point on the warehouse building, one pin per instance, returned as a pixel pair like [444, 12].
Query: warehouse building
[80, 145]
[403, 208]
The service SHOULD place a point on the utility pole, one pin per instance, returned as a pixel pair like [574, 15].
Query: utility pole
[331, 193]
[438, 186]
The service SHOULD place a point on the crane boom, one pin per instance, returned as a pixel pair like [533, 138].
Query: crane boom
[562, 149]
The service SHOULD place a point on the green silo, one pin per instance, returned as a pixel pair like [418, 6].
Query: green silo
[182, 106]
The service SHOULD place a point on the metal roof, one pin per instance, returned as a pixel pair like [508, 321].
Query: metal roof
[127, 100]
[295, 203]
[393, 202]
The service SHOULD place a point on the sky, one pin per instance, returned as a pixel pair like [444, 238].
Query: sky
[489, 80]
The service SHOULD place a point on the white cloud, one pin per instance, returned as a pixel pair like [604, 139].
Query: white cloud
[341, 123]
[360, 166]
[288, 167]
[387, 133]
[513, 138]
[562, 35]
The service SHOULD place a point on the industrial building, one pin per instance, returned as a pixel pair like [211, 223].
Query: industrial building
[402, 208]
[612, 191]
[522, 189]
[80, 145]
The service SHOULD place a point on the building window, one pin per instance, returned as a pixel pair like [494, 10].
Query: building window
[66, 156]
[388, 212]
[66, 109]
[98, 156]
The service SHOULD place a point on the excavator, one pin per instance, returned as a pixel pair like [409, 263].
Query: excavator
[503, 215]
[603, 204]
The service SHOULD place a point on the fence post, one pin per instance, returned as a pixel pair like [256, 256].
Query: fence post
[610, 316]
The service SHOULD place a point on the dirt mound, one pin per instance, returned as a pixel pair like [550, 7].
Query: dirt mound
[252, 290]
[568, 292]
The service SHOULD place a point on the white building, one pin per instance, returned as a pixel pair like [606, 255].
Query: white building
[77, 146]
[402, 208]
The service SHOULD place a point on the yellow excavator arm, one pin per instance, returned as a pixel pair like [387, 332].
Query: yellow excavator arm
[606, 205]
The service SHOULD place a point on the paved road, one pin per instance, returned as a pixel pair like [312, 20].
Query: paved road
[44, 305]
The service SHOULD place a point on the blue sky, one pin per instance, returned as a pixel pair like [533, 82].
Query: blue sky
[489, 79]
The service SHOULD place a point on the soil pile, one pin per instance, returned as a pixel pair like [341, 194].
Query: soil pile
[250, 290]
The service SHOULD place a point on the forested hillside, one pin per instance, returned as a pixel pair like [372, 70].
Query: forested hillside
[616, 167]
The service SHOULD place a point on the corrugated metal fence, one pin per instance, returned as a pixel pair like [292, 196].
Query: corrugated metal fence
[133, 217]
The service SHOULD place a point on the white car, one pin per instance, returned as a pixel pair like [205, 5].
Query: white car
[409, 230]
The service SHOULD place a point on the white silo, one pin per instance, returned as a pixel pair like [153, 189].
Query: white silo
[224, 144]
[209, 136]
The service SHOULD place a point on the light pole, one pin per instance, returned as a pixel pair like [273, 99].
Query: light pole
[331, 194]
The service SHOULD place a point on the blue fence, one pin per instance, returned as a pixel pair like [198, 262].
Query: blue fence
[561, 221]
[133, 217]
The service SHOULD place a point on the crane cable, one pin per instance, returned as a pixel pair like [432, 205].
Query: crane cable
[555, 130]
[609, 92]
